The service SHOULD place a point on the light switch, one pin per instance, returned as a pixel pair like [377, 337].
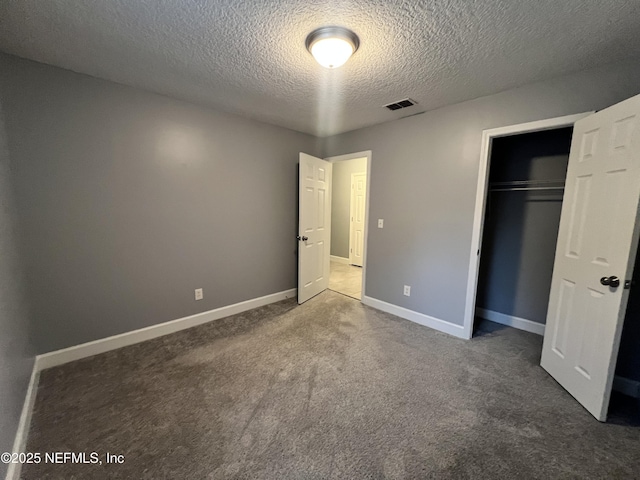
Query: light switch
[380, 223]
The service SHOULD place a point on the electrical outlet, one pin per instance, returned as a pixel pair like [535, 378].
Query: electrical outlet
[407, 290]
[380, 223]
[199, 294]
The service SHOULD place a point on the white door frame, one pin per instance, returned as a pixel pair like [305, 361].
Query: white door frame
[352, 156]
[481, 197]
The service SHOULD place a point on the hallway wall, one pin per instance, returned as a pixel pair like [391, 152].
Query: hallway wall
[341, 203]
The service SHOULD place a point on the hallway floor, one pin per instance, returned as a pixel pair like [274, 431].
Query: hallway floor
[346, 279]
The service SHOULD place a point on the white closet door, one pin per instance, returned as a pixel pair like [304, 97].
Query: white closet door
[595, 253]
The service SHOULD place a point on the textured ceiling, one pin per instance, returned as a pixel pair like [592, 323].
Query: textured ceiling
[249, 58]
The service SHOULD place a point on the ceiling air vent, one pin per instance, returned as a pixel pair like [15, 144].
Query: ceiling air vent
[407, 102]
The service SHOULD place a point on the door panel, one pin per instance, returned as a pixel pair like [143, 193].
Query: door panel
[358, 203]
[597, 239]
[314, 226]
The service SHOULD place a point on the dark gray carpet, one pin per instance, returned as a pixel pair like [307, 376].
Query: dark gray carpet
[330, 389]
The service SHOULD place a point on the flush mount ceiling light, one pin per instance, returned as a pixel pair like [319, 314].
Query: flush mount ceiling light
[332, 46]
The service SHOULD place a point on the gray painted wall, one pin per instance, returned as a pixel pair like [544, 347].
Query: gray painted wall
[128, 201]
[424, 171]
[16, 356]
[521, 227]
[341, 203]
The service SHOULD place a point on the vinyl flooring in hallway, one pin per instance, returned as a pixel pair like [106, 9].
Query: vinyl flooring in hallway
[346, 279]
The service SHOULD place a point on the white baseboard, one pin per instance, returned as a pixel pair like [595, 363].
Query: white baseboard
[511, 321]
[20, 442]
[340, 260]
[416, 317]
[627, 386]
[96, 347]
[66, 355]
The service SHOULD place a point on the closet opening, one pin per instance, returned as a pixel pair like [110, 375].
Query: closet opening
[522, 216]
[624, 407]
[526, 178]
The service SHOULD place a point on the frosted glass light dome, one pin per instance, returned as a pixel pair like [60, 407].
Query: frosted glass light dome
[332, 46]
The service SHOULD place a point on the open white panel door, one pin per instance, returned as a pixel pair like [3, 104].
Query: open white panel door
[595, 253]
[314, 238]
[358, 202]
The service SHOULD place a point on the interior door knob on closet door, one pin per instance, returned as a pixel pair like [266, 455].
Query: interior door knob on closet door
[613, 282]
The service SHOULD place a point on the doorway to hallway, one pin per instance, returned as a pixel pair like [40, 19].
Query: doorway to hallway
[333, 196]
[348, 211]
[346, 279]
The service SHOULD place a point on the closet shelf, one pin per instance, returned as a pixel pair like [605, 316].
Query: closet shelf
[526, 185]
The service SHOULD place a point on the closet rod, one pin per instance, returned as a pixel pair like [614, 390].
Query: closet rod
[526, 183]
[524, 189]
